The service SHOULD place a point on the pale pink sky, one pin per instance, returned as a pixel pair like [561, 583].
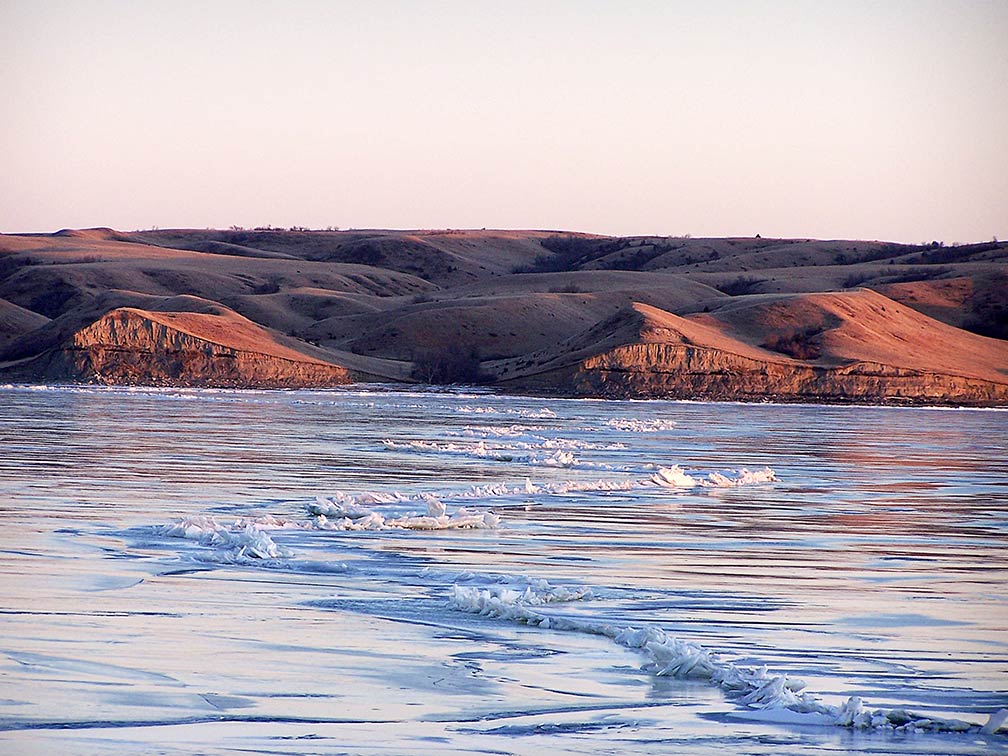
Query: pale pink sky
[878, 120]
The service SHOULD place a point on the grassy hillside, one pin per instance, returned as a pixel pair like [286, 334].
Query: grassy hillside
[496, 304]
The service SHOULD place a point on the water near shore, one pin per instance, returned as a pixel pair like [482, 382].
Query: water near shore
[372, 571]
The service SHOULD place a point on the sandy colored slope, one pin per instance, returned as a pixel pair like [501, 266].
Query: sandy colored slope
[297, 310]
[977, 301]
[40, 287]
[741, 266]
[508, 316]
[943, 300]
[442, 257]
[216, 325]
[866, 346]
[371, 302]
[494, 327]
[226, 329]
[863, 325]
[635, 324]
[16, 321]
[51, 274]
[748, 254]
[649, 354]
[216, 347]
[669, 291]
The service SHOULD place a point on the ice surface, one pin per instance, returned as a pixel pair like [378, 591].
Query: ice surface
[729, 591]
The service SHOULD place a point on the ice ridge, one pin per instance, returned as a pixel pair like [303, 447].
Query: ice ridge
[242, 540]
[676, 477]
[754, 688]
[356, 507]
[346, 512]
[546, 453]
[634, 425]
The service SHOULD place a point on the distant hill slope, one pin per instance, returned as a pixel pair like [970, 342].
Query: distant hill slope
[213, 347]
[856, 346]
[544, 311]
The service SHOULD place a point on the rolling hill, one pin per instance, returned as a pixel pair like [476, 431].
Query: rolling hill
[529, 311]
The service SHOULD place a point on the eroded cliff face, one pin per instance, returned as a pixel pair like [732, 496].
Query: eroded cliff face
[131, 347]
[681, 371]
[638, 353]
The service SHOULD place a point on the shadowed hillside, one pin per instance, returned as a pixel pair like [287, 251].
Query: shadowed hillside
[537, 311]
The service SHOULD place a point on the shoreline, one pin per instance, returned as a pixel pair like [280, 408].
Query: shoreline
[478, 390]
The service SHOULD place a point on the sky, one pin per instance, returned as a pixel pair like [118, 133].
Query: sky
[857, 120]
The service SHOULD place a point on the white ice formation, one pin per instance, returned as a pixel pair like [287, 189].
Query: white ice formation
[345, 512]
[513, 591]
[673, 477]
[633, 425]
[754, 688]
[342, 506]
[243, 539]
[676, 477]
[744, 478]
[537, 414]
[541, 453]
[522, 437]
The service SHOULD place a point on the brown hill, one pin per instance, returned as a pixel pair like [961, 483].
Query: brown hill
[855, 346]
[216, 347]
[528, 310]
[17, 321]
[860, 326]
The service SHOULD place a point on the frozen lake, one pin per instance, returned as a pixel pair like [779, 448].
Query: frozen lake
[290, 572]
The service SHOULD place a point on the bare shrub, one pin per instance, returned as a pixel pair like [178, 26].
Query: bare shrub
[569, 288]
[920, 274]
[452, 364]
[740, 286]
[798, 344]
[856, 279]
